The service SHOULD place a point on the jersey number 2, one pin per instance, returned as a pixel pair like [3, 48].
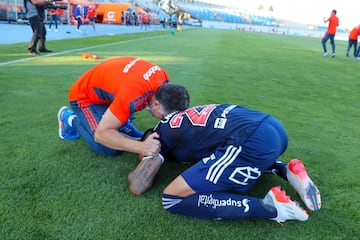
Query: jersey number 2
[198, 116]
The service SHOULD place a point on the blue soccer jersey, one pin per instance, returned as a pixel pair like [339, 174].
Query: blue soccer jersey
[229, 146]
[190, 135]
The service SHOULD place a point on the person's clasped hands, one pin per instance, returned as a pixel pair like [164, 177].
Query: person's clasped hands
[151, 145]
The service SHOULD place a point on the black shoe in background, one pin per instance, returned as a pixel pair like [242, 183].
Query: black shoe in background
[45, 50]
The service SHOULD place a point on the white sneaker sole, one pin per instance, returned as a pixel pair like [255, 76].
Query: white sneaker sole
[59, 120]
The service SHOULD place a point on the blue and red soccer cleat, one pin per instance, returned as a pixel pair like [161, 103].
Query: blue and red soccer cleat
[300, 180]
[286, 208]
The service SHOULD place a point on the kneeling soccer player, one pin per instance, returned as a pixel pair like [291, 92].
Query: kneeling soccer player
[230, 147]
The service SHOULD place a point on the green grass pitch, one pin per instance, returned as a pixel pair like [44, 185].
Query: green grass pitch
[56, 189]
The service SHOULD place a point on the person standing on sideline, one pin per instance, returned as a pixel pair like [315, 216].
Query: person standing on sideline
[104, 100]
[42, 15]
[353, 41]
[54, 17]
[123, 19]
[92, 15]
[78, 17]
[333, 21]
[35, 12]
[174, 22]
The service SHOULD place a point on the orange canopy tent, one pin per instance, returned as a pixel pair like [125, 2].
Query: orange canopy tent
[110, 12]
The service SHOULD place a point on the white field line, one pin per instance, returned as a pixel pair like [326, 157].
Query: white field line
[76, 50]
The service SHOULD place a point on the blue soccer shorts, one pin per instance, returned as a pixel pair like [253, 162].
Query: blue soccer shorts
[237, 167]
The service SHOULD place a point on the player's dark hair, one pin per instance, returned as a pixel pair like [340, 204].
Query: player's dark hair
[173, 97]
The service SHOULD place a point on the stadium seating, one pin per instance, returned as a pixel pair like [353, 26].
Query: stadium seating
[210, 12]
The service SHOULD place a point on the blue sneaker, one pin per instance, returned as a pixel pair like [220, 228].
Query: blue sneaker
[130, 131]
[65, 130]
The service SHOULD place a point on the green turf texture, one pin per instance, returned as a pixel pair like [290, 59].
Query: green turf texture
[56, 189]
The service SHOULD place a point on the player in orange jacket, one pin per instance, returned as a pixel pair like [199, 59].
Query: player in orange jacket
[54, 18]
[104, 100]
[91, 14]
[353, 41]
[333, 21]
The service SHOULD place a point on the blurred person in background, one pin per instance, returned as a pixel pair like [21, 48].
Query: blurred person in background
[353, 41]
[333, 21]
[35, 13]
[92, 15]
[54, 18]
[174, 23]
[78, 17]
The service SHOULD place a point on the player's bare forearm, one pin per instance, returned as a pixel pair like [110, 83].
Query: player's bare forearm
[142, 177]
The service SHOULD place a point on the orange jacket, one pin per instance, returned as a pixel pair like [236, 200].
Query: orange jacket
[91, 12]
[52, 12]
[355, 32]
[127, 84]
[333, 23]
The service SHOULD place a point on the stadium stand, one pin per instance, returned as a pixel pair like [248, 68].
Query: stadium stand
[190, 12]
[212, 12]
[12, 11]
